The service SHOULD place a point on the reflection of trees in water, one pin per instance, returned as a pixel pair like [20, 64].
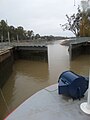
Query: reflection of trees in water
[8, 93]
[29, 68]
[3, 108]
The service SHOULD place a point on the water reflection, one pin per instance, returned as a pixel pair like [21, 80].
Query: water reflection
[27, 78]
[7, 91]
[81, 65]
[58, 60]
[30, 76]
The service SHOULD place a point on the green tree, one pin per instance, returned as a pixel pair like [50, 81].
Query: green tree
[3, 30]
[30, 33]
[12, 33]
[37, 36]
[20, 32]
[50, 37]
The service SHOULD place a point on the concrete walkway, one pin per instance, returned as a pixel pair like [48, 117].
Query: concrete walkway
[48, 105]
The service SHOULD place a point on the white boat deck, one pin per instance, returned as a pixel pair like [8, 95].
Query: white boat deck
[48, 105]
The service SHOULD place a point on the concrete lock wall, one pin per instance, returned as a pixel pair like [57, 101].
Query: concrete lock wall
[75, 50]
[21, 52]
[31, 52]
[78, 49]
[6, 66]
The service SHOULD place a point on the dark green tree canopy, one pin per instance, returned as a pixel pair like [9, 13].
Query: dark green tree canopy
[18, 33]
[14, 32]
[3, 29]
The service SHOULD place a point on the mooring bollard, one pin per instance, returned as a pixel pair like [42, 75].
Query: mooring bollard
[85, 107]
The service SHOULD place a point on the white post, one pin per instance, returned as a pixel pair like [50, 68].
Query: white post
[88, 102]
[17, 39]
[74, 2]
[85, 107]
[2, 38]
[8, 38]
[2, 46]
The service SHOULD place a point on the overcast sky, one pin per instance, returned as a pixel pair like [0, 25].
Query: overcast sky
[41, 16]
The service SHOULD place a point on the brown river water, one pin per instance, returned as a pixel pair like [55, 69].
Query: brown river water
[30, 76]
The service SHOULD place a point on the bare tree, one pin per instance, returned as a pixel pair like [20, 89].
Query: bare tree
[73, 23]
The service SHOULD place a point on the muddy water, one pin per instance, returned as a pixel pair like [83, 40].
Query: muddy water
[29, 76]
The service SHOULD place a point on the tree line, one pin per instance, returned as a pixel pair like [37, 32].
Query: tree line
[13, 33]
[10, 32]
